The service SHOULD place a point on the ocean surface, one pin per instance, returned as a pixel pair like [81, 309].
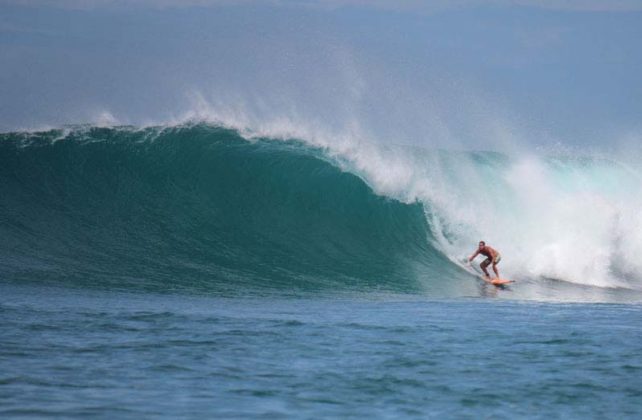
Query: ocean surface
[198, 271]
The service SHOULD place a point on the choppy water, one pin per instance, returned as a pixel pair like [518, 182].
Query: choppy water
[79, 353]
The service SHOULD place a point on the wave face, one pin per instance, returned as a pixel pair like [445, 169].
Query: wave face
[200, 206]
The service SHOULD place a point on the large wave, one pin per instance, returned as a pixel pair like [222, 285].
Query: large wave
[201, 206]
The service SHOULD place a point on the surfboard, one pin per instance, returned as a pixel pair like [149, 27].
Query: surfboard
[494, 282]
[497, 282]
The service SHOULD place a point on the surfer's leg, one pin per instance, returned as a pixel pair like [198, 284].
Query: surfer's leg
[483, 266]
[496, 261]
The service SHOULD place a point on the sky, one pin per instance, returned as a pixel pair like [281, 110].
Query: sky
[410, 72]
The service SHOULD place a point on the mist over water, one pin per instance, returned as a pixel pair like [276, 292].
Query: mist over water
[480, 78]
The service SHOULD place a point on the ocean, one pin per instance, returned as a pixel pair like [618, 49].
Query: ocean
[194, 270]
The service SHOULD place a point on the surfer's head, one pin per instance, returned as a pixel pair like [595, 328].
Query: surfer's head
[482, 243]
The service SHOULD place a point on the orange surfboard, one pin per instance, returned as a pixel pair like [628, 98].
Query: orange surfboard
[497, 282]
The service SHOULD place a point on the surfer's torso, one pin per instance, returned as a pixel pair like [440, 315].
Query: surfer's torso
[488, 252]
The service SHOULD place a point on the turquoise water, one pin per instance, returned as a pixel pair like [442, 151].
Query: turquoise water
[198, 207]
[187, 271]
[78, 353]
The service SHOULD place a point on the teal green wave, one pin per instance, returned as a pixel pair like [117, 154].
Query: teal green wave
[199, 207]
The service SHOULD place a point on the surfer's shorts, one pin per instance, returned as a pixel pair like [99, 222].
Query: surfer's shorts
[497, 259]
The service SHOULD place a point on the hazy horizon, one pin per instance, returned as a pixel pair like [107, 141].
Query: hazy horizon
[463, 73]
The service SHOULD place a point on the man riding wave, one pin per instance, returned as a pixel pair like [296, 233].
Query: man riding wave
[492, 256]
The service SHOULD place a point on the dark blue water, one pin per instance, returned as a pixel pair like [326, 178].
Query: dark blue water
[79, 353]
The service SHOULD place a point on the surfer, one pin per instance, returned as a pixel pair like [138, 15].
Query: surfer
[492, 256]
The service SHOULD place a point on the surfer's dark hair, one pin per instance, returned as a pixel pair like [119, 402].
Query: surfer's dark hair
[482, 243]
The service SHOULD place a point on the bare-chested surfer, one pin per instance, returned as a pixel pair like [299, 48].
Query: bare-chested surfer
[492, 256]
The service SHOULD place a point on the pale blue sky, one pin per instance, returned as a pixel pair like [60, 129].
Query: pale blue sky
[407, 71]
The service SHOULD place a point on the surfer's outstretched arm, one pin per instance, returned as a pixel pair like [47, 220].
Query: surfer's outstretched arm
[472, 257]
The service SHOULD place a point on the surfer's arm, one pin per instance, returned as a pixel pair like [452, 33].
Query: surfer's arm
[472, 257]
